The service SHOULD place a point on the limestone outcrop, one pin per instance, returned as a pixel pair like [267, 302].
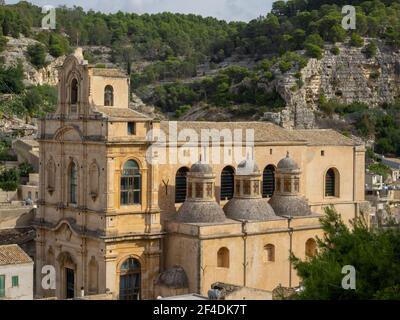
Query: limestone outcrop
[349, 76]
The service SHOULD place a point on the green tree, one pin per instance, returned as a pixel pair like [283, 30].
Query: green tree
[370, 50]
[3, 43]
[356, 40]
[372, 252]
[9, 179]
[37, 55]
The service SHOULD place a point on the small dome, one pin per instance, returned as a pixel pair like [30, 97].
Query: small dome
[200, 212]
[249, 209]
[247, 167]
[174, 277]
[292, 205]
[201, 167]
[288, 163]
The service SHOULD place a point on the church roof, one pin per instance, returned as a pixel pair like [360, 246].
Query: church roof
[104, 72]
[121, 113]
[324, 137]
[267, 132]
[13, 254]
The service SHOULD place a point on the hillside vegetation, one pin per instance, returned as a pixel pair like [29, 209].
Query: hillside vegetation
[178, 61]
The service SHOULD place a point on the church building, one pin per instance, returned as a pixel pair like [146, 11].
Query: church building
[118, 215]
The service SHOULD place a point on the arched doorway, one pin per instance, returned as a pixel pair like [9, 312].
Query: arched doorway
[129, 280]
[68, 279]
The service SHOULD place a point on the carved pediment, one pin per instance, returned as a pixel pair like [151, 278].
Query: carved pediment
[69, 133]
[64, 233]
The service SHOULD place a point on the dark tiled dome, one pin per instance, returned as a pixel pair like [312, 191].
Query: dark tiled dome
[247, 167]
[201, 167]
[174, 277]
[200, 212]
[292, 205]
[288, 163]
[249, 209]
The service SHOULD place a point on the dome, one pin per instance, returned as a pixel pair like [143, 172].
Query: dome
[201, 167]
[174, 277]
[288, 163]
[200, 212]
[247, 167]
[292, 205]
[249, 209]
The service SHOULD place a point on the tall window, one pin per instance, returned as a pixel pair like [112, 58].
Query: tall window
[269, 252]
[227, 180]
[129, 280]
[51, 179]
[223, 258]
[108, 96]
[93, 276]
[94, 173]
[180, 185]
[331, 183]
[130, 183]
[74, 95]
[131, 128]
[268, 181]
[73, 183]
[311, 248]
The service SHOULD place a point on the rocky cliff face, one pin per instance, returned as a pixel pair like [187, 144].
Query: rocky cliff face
[16, 51]
[349, 76]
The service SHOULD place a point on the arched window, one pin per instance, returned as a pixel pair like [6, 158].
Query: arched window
[332, 183]
[73, 183]
[129, 280]
[51, 178]
[74, 91]
[130, 183]
[268, 181]
[94, 180]
[227, 181]
[108, 96]
[311, 248]
[269, 252]
[223, 258]
[180, 185]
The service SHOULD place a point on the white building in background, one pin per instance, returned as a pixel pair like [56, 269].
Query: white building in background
[373, 182]
[16, 273]
[394, 165]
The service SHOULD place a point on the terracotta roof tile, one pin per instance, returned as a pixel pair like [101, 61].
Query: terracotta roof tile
[13, 254]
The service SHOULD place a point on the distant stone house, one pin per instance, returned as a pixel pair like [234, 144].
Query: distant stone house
[394, 165]
[16, 274]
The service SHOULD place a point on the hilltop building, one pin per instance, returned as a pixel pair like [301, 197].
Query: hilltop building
[110, 220]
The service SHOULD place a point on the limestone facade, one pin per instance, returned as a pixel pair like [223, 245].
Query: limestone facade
[109, 219]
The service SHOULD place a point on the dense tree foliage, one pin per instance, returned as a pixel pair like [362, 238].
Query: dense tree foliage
[31, 102]
[373, 253]
[37, 55]
[11, 79]
[9, 179]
